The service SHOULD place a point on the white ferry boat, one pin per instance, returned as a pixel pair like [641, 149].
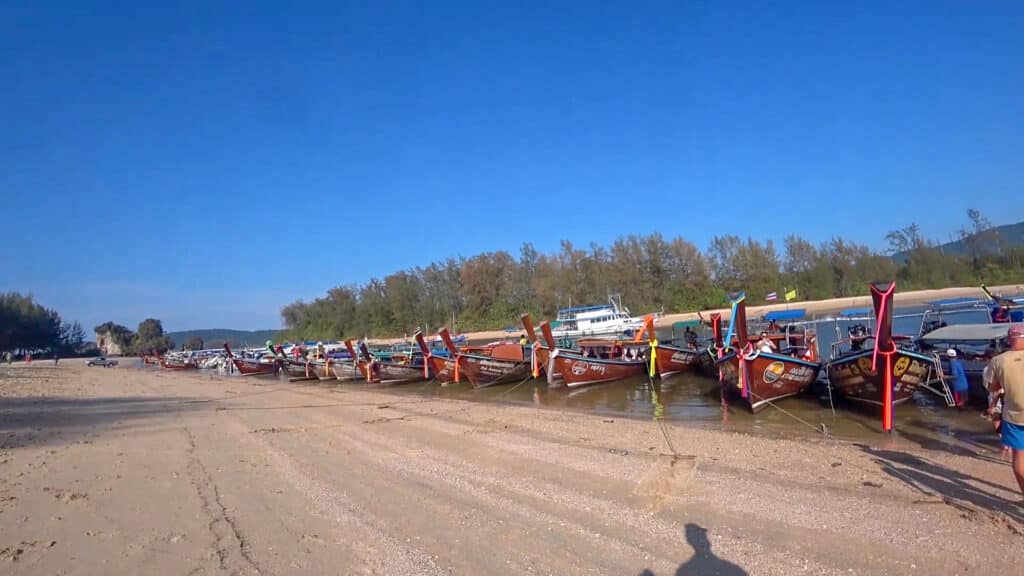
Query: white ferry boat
[612, 319]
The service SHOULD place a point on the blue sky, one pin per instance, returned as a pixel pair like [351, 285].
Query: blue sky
[206, 164]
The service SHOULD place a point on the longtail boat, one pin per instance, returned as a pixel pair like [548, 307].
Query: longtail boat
[395, 369]
[440, 367]
[299, 369]
[757, 376]
[709, 362]
[347, 370]
[667, 359]
[252, 366]
[496, 364]
[323, 367]
[540, 353]
[884, 375]
[597, 361]
[175, 364]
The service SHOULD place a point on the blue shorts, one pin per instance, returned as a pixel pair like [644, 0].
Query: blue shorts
[1013, 435]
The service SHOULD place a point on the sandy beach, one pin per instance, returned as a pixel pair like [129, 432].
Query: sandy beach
[818, 308]
[114, 471]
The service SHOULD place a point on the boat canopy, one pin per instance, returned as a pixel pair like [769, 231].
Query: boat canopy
[685, 324]
[959, 301]
[857, 312]
[584, 308]
[967, 333]
[785, 314]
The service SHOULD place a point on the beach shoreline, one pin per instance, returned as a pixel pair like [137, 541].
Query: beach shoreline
[128, 469]
[814, 308]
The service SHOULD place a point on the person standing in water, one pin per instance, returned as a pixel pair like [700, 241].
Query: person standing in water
[1008, 374]
[956, 371]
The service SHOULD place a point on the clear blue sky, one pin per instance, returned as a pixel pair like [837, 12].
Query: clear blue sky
[207, 164]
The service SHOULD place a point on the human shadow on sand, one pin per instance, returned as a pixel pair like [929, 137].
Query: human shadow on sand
[979, 446]
[39, 420]
[703, 560]
[962, 491]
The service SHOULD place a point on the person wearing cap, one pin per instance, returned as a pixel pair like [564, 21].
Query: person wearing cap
[1008, 374]
[956, 371]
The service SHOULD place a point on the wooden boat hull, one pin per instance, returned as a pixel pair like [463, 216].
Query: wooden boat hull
[346, 370]
[484, 371]
[298, 370]
[177, 365]
[771, 377]
[544, 364]
[578, 371]
[252, 366]
[387, 373]
[852, 377]
[322, 370]
[671, 360]
[442, 368]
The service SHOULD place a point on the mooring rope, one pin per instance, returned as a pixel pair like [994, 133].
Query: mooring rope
[819, 428]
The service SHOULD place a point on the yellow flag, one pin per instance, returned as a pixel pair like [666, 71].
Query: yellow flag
[791, 295]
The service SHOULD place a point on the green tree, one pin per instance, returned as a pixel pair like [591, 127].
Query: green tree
[150, 338]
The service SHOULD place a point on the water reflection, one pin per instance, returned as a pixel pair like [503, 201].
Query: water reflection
[696, 400]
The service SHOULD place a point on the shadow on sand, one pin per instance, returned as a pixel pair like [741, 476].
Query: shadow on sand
[962, 491]
[984, 447]
[37, 421]
[703, 560]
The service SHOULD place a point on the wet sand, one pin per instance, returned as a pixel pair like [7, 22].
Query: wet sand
[106, 471]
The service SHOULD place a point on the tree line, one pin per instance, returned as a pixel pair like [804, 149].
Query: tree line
[652, 272]
[29, 327]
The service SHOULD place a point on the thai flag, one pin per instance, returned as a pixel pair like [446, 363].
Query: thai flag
[772, 296]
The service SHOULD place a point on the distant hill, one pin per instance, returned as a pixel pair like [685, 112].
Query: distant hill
[215, 337]
[1007, 236]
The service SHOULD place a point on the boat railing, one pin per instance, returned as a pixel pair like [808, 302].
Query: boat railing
[837, 346]
[940, 378]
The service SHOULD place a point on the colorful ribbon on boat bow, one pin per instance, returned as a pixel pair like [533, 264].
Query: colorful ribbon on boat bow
[654, 358]
[742, 374]
[534, 363]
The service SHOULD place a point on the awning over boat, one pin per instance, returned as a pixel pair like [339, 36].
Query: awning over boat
[968, 333]
[685, 324]
[857, 312]
[960, 301]
[584, 308]
[785, 314]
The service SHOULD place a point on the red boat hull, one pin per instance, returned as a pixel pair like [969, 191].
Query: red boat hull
[388, 373]
[579, 371]
[770, 377]
[251, 366]
[484, 371]
[442, 368]
[670, 360]
[176, 366]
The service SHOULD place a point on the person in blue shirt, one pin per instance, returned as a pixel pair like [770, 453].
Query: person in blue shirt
[956, 372]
